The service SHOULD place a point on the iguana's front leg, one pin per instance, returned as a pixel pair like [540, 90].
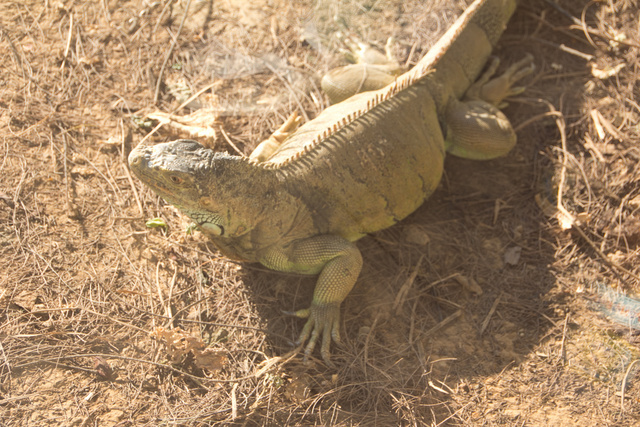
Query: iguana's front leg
[266, 148]
[339, 262]
[476, 128]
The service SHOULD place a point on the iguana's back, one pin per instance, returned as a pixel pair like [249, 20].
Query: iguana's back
[369, 161]
[371, 173]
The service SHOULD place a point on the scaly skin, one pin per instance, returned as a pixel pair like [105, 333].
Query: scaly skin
[372, 70]
[306, 194]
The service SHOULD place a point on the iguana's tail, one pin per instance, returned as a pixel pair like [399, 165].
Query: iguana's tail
[461, 53]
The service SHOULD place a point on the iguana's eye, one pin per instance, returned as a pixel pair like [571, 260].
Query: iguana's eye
[176, 179]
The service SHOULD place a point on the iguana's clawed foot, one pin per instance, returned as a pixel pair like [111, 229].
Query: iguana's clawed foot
[476, 128]
[359, 52]
[495, 90]
[324, 319]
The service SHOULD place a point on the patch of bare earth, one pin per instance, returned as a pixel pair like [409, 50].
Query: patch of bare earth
[507, 299]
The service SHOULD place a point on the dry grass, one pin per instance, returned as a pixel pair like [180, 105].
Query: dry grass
[479, 309]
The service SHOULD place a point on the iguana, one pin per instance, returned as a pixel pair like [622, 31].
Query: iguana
[305, 195]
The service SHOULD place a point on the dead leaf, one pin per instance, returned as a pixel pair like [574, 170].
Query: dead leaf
[298, 389]
[178, 344]
[83, 171]
[416, 235]
[469, 284]
[512, 255]
[630, 229]
[26, 300]
[547, 208]
[103, 370]
[493, 253]
[202, 123]
[635, 202]
[210, 359]
[565, 219]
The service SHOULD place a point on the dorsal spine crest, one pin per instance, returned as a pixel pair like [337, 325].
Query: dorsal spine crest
[401, 83]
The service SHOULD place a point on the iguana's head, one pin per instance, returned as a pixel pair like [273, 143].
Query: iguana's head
[210, 187]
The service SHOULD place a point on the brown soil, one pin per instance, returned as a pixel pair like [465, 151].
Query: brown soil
[488, 306]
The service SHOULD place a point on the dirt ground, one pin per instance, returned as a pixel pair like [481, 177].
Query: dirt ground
[507, 299]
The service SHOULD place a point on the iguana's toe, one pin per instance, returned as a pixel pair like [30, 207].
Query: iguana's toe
[288, 127]
[520, 69]
[495, 89]
[489, 72]
[323, 320]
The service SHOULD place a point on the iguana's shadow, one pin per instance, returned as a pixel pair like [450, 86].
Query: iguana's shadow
[456, 287]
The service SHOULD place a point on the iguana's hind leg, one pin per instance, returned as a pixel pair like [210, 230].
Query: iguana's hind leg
[339, 262]
[476, 128]
[266, 148]
[372, 70]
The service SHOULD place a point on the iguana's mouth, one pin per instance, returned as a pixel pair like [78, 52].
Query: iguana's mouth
[145, 159]
[145, 167]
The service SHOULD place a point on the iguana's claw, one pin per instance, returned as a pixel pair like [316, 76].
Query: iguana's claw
[324, 319]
